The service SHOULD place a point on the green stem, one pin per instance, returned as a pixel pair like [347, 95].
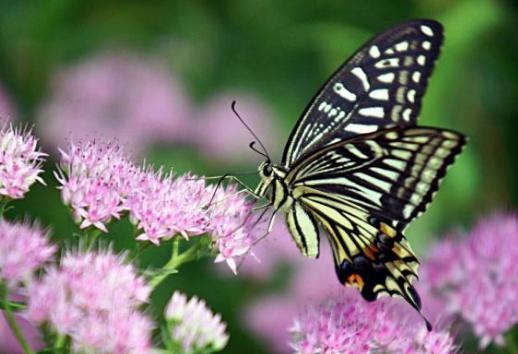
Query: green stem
[510, 342]
[175, 261]
[60, 342]
[13, 325]
[92, 236]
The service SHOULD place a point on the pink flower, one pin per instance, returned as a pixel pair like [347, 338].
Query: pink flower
[95, 180]
[193, 326]
[20, 162]
[352, 325]
[232, 142]
[23, 249]
[125, 97]
[163, 206]
[9, 343]
[94, 299]
[233, 224]
[477, 277]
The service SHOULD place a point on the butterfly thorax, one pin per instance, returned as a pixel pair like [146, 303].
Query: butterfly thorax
[273, 185]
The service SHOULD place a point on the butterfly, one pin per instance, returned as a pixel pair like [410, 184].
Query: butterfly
[357, 167]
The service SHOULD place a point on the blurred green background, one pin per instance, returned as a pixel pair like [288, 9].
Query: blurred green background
[280, 52]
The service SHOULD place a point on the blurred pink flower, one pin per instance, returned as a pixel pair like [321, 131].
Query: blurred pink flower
[277, 249]
[93, 298]
[23, 249]
[352, 325]
[477, 277]
[119, 95]
[94, 180]
[20, 161]
[193, 326]
[220, 135]
[8, 342]
[313, 281]
[270, 317]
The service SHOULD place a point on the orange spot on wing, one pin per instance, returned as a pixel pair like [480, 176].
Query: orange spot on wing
[355, 280]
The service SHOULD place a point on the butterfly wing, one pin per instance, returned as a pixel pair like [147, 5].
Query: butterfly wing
[380, 86]
[364, 191]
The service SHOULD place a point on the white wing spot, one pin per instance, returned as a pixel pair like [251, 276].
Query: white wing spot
[376, 112]
[421, 60]
[411, 95]
[361, 128]
[324, 107]
[360, 74]
[427, 45]
[427, 30]
[380, 94]
[402, 46]
[406, 114]
[387, 78]
[416, 76]
[387, 63]
[389, 51]
[374, 51]
[342, 91]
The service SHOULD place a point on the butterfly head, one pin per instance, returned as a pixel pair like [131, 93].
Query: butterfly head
[269, 172]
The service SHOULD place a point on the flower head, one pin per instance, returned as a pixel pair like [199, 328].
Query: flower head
[95, 180]
[23, 249]
[352, 325]
[163, 206]
[133, 99]
[214, 141]
[20, 162]
[93, 298]
[193, 326]
[477, 277]
[232, 224]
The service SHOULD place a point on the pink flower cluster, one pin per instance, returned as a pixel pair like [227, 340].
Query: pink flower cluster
[20, 162]
[121, 95]
[137, 100]
[476, 277]
[94, 299]
[95, 179]
[100, 183]
[23, 249]
[163, 206]
[352, 325]
[233, 224]
[193, 326]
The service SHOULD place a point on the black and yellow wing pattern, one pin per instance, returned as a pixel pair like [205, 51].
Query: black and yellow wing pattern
[358, 167]
[362, 191]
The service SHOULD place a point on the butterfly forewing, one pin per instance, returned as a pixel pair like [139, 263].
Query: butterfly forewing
[378, 87]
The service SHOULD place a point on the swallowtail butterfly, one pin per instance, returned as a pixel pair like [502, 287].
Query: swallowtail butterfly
[357, 167]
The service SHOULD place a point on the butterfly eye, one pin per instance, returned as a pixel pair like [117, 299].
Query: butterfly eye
[267, 170]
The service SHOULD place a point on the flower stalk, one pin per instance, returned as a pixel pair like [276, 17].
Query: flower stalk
[11, 321]
[177, 259]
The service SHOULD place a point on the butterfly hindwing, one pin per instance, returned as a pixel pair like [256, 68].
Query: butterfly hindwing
[369, 254]
[378, 87]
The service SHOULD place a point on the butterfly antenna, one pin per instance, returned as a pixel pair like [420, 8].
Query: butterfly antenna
[265, 151]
